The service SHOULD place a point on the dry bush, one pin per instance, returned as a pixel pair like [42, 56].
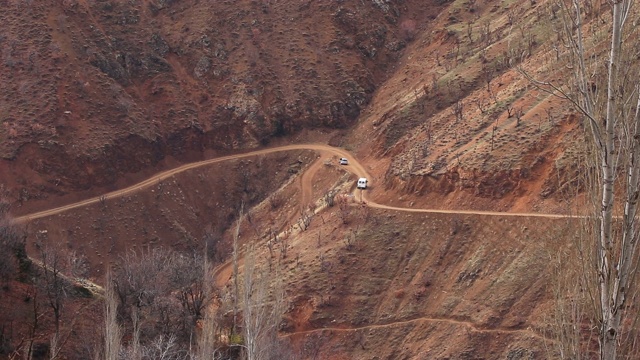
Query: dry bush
[306, 215]
[162, 291]
[329, 198]
[275, 201]
[344, 209]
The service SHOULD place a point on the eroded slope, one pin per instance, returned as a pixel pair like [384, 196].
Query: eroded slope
[98, 89]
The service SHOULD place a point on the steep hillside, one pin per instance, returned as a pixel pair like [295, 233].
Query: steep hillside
[95, 90]
[458, 120]
[410, 286]
[428, 96]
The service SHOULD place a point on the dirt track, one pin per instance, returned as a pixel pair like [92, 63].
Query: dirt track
[306, 183]
[469, 325]
[223, 272]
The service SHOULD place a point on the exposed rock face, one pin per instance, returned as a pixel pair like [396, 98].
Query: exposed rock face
[91, 82]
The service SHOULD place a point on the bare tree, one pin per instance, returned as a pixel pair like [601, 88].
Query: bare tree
[208, 337]
[284, 246]
[112, 331]
[150, 296]
[138, 280]
[12, 246]
[189, 282]
[494, 128]
[458, 108]
[306, 214]
[55, 287]
[33, 323]
[164, 348]
[470, 32]
[135, 351]
[262, 309]
[613, 123]
[518, 114]
[236, 291]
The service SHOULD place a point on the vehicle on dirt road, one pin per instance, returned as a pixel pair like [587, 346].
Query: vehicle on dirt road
[344, 161]
[362, 183]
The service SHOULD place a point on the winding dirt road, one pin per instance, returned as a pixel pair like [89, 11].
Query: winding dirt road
[354, 167]
[306, 184]
[167, 174]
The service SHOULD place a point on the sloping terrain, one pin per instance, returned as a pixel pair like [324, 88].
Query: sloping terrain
[355, 277]
[429, 97]
[95, 90]
[459, 122]
[424, 286]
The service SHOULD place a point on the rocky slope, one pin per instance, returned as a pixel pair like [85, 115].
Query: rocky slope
[428, 94]
[98, 89]
[459, 116]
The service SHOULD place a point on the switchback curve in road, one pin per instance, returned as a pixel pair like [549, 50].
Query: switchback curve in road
[354, 167]
[167, 174]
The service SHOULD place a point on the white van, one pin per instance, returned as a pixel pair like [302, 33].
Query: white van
[362, 183]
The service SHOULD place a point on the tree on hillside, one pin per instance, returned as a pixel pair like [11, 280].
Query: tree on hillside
[12, 249]
[141, 278]
[14, 265]
[605, 89]
[112, 330]
[262, 309]
[236, 288]
[190, 279]
[54, 285]
[209, 330]
[163, 305]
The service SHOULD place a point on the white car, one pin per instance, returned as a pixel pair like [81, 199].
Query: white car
[344, 161]
[362, 183]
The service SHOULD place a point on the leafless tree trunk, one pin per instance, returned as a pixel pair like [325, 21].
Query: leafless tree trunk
[262, 309]
[164, 348]
[458, 108]
[141, 278]
[34, 325]
[613, 284]
[614, 126]
[13, 254]
[136, 353]
[112, 332]
[616, 249]
[236, 295]
[207, 339]
[189, 282]
[52, 281]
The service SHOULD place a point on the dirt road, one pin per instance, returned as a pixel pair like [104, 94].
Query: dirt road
[223, 272]
[306, 183]
[167, 174]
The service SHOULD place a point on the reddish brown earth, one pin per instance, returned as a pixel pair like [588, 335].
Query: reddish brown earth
[101, 95]
[87, 83]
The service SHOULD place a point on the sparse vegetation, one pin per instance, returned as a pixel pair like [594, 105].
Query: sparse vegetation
[100, 95]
